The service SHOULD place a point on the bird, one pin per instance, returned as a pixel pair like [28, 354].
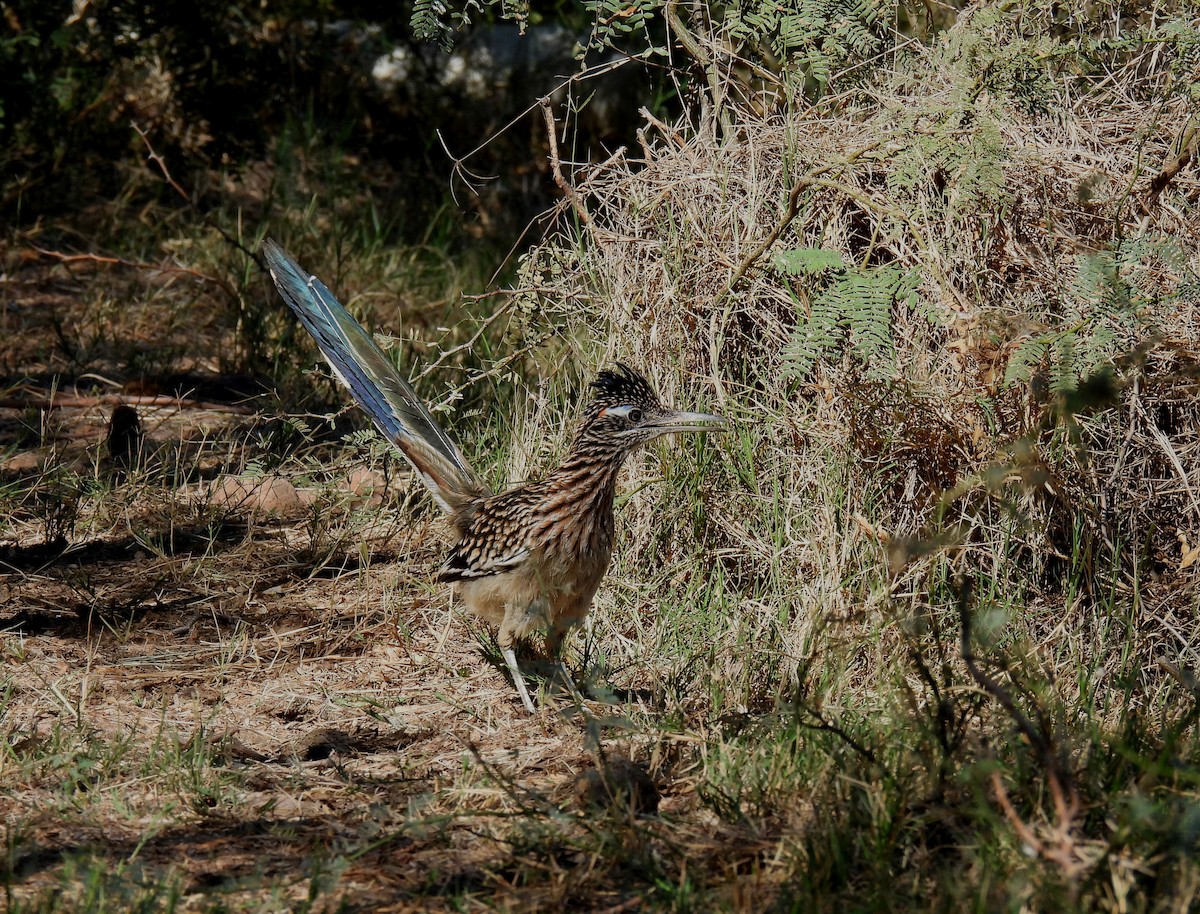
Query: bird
[528, 559]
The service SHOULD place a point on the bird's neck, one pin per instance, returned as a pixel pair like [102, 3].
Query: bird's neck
[589, 471]
[592, 449]
[578, 504]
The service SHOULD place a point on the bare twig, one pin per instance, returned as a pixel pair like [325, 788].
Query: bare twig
[556, 163]
[792, 208]
[458, 163]
[1060, 849]
[205, 218]
[1036, 739]
[822, 725]
[716, 81]
[1024, 832]
[74, 401]
[669, 133]
[133, 264]
[162, 166]
[445, 355]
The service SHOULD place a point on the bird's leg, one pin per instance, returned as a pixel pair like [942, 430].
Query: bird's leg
[506, 640]
[511, 659]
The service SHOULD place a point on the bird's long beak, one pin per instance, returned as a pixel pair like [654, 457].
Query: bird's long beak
[675, 421]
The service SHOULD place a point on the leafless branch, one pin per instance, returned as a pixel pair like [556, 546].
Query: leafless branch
[1059, 847]
[162, 166]
[133, 264]
[556, 163]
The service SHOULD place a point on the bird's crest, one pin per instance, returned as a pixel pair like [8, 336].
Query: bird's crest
[620, 388]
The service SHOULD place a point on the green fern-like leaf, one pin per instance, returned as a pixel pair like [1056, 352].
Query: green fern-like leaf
[816, 334]
[807, 261]
[868, 310]
[428, 23]
[814, 37]
[854, 304]
[1108, 304]
[363, 438]
[1064, 368]
[1025, 359]
[615, 19]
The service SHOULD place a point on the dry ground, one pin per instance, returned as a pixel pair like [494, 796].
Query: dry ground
[249, 694]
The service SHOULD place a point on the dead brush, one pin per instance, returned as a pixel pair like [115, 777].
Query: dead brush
[1031, 420]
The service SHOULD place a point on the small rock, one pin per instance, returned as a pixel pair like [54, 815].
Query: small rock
[270, 495]
[320, 744]
[368, 485]
[620, 783]
[24, 462]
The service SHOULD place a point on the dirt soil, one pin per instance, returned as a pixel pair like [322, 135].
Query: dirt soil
[248, 684]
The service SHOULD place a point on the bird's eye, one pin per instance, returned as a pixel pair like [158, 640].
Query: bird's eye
[635, 415]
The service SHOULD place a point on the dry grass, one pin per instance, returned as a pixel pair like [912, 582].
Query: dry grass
[249, 697]
[224, 717]
[839, 522]
[672, 272]
[229, 683]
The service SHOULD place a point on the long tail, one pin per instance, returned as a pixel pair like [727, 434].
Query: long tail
[375, 384]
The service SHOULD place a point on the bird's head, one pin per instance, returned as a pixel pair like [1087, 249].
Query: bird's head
[624, 410]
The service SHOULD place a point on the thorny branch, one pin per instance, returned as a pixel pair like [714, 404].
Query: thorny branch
[157, 159]
[458, 167]
[162, 166]
[134, 264]
[1060, 846]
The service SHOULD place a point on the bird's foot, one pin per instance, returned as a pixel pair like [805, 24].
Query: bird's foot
[569, 681]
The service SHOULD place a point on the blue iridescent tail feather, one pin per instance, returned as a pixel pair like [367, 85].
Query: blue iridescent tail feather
[374, 383]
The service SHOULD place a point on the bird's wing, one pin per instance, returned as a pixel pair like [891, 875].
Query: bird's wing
[495, 539]
[375, 383]
[465, 563]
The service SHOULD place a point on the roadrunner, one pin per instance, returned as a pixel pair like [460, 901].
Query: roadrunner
[532, 557]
